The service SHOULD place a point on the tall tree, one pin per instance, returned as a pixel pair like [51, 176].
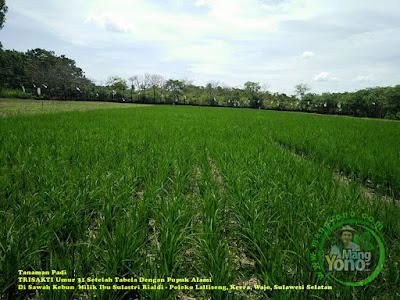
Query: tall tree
[211, 89]
[70, 77]
[3, 10]
[55, 75]
[134, 80]
[118, 86]
[41, 69]
[155, 82]
[175, 87]
[144, 85]
[301, 89]
[252, 89]
[185, 83]
[12, 69]
[116, 83]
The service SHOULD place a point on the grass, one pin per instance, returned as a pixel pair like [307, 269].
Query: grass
[12, 107]
[228, 194]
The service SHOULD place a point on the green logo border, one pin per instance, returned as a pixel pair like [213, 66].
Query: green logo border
[381, 250]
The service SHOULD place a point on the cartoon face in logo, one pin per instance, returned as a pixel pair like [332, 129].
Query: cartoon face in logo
[346, 237]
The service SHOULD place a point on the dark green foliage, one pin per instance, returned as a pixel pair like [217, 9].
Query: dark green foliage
[378, 102]
[3, 10]
[13, 69]
[56, 76]
[175, 88]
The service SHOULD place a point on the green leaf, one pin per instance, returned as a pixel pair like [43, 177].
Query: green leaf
[364, 241]
[358, 239]
[366, 236]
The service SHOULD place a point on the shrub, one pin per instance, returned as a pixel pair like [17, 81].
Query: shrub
[9, 93]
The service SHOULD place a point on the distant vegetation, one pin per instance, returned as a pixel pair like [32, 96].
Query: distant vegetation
[41, 74]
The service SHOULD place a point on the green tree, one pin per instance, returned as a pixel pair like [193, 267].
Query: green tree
[301, 89]
[3, 10]
[117, 83]
[56, 76]
[185, 84]
[12, 69]
[69, 78]
[143, 86]
[252, 89]
[135, 86]
[41, 71]
[392, 102]
[211, 89]
[174, 87]
[156, 82]
[118, 86]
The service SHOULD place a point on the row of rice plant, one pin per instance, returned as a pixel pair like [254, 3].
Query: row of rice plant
[280, 198]
[177, 192]
[367, 149]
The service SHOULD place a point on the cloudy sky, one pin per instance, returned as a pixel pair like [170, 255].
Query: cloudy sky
[332, 45]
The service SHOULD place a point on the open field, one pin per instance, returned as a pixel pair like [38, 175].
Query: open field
[12, 107]
[231, 195]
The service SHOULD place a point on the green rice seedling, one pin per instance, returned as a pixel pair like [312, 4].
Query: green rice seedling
[364, 147]
[212, 242]
[157, 192]
[305, 192]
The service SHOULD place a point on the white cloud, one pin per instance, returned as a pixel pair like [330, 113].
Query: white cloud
[200, 3]
[367, 78]
[108, 23]
[307, 55]
[325, 76]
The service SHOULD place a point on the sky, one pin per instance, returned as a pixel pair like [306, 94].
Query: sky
[331, 45]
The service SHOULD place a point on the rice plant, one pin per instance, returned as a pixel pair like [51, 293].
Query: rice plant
[226, 195]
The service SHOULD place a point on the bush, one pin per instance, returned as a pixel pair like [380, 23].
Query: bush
[9, 93]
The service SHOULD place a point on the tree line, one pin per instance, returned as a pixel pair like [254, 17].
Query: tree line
[41, 74]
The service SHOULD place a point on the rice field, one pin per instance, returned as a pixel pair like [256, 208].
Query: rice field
[13, 107]
[229, 197]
